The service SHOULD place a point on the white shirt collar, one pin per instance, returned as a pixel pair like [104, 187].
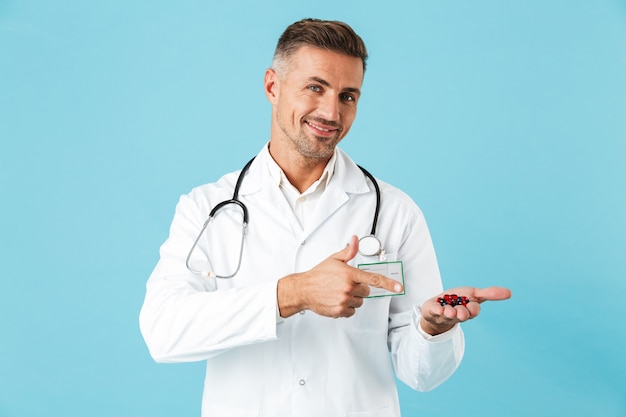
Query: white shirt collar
[280, 179]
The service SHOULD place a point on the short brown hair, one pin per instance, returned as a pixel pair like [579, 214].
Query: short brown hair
[325, 34]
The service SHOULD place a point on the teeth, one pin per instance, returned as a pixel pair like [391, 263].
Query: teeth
[319, 127]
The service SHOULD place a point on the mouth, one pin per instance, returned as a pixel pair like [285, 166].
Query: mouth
[322, 129]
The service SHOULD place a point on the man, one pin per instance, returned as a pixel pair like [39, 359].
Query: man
[293, 331]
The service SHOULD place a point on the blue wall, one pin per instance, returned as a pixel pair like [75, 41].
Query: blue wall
[505, 121]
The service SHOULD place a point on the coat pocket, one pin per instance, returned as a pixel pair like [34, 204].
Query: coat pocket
[372, 316]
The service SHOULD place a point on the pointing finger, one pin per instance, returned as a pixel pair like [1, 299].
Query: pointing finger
[379, 281]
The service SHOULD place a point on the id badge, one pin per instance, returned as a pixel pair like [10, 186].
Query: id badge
[391, 270]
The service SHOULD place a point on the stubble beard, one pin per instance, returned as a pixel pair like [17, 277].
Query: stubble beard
[310, 146]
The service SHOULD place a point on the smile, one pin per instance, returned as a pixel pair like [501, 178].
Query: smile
[324, 131]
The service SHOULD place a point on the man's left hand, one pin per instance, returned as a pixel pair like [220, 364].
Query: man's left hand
[438, 319]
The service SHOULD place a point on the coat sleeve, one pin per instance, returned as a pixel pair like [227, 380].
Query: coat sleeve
[421, 363]
[184, 318]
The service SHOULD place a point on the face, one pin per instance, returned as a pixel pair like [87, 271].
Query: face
[314, 100]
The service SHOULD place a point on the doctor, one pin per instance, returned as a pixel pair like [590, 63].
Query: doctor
[294, 332]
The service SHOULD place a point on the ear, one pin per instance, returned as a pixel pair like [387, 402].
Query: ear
[271, 85]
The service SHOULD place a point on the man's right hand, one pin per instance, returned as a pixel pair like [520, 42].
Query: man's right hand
[332, 288]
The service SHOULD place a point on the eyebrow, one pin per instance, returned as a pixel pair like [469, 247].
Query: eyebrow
[327, 84]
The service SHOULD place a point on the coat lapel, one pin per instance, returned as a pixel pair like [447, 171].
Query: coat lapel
[346, 181]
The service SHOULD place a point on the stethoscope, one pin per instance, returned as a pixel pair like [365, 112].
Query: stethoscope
[369, 245]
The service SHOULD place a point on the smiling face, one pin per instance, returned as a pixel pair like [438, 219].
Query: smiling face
[314, 100]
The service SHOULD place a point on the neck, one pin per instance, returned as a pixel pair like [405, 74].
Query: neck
[299, 170]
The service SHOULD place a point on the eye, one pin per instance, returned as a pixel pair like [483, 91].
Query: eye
[347, 97]
[315, 88]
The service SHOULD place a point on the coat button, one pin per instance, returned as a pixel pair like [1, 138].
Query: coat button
[301, 382]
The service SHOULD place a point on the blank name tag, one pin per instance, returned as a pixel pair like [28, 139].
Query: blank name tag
[391, 270]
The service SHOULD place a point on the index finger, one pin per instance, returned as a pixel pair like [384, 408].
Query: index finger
[378, 281]
[483, 294]
[492, 294]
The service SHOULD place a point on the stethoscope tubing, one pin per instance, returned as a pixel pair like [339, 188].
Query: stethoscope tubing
[377, 188]
[235, 200]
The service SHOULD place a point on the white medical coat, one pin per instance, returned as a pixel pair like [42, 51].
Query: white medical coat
[306, 365]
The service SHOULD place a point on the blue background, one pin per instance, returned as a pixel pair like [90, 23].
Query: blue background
[504, 120]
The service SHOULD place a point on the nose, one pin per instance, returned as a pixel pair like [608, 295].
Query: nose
[329, 107]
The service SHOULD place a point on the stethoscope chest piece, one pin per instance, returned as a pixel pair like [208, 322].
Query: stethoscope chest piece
[370, 246]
